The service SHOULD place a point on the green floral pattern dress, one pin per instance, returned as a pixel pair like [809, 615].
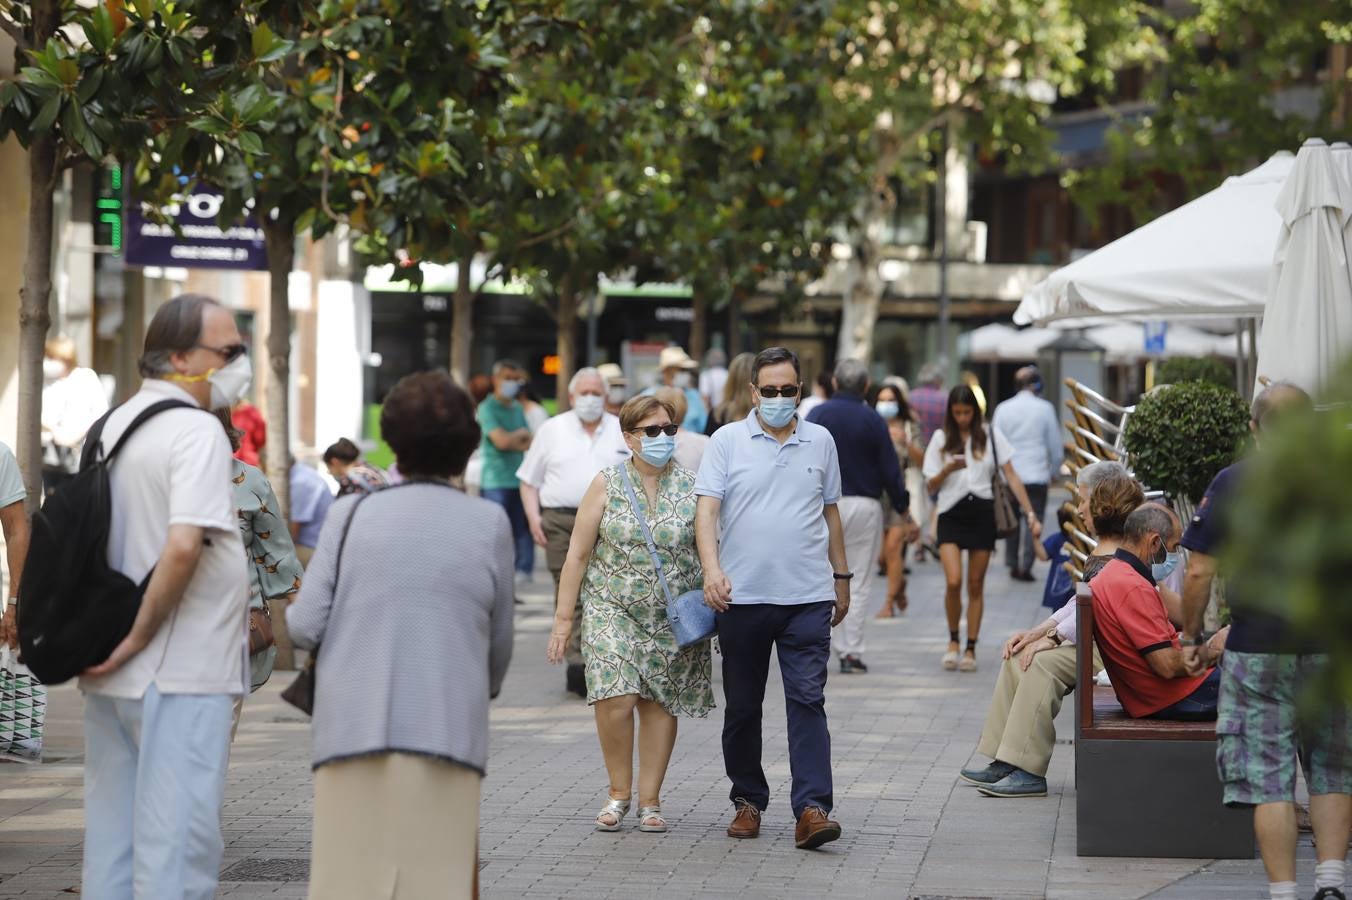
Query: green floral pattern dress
[627, 642]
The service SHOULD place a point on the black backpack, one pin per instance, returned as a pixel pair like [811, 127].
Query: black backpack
[75, 608]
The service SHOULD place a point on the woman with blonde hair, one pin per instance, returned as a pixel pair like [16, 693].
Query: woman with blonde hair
[633, 663]
[736, 404]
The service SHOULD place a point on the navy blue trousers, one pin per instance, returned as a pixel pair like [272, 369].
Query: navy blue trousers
[510, 500]
[801, 637]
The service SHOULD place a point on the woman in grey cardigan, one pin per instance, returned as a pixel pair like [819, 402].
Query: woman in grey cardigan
[410, 592]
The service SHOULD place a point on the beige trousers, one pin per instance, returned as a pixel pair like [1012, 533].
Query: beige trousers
[557, 525]
[1020, 725]
[395, 826]
[861, 520]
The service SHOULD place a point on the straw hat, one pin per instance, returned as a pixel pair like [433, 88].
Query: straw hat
[675, 358]
[612, 373]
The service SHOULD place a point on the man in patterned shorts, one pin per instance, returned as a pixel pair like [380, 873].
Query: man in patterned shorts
[1261, 730]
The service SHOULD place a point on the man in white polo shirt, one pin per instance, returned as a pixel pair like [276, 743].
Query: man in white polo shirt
[564, 457]
[778, 579]
[157, 712]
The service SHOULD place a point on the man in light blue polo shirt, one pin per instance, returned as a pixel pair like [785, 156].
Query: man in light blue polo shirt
[778, 579]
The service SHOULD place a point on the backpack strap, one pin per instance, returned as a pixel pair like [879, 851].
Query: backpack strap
[92, 448]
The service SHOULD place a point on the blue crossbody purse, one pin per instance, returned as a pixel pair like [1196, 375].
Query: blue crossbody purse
[691, 620]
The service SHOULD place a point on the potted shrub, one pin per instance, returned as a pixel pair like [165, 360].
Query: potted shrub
[1181, 435]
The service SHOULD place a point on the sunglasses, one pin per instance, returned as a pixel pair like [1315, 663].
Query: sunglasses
[769, 390]
[653, 431]
[230, 352]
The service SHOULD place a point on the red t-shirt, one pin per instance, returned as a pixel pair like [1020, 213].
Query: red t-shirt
[1129, 622]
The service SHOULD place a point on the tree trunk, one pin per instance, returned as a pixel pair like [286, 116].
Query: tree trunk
[864, 294]
[699, 324]
[280, 238]
[34, 315]
[734, 323]
[567, 339]
[462, 322]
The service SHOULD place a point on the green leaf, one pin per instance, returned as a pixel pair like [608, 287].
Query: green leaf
[89, 85]
[209, 125]
[250, 143]
[263, 40]
[47, 115]
[100, 30]
[400, 94]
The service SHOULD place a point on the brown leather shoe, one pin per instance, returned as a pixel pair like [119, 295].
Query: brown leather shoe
[814, 829]
[746, 824]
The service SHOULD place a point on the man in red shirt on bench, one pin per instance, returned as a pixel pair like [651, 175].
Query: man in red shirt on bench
[1138, 643]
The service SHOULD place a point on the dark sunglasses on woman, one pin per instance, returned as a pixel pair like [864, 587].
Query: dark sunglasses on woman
[655, 430]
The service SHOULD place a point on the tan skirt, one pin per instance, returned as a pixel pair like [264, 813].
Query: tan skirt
[394, 827]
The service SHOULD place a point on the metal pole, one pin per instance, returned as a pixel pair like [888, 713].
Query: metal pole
[942, 204]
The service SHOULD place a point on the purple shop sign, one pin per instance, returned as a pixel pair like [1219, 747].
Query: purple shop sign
[199, 243]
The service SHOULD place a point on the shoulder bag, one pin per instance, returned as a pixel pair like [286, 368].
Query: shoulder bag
[301, 693]
[691, 620]
[1006, 517]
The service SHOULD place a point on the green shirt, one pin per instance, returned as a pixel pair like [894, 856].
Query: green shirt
[500, 465]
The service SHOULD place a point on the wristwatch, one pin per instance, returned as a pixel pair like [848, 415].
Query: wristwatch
[1198, 641]
[842, 576]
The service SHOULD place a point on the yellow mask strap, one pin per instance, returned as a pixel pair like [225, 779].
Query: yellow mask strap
[190, 379]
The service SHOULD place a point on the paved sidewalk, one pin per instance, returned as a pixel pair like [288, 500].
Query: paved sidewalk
[900, 733]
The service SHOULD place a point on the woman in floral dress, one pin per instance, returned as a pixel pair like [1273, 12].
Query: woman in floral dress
[634, 665]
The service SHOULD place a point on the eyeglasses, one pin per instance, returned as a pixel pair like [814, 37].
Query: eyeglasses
[231, 352]
[769, 390]
[654, 430]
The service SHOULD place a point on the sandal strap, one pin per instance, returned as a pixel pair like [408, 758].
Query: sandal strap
[617, 808]
[650, 812]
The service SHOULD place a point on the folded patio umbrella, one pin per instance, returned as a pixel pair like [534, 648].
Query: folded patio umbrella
[1307, 325]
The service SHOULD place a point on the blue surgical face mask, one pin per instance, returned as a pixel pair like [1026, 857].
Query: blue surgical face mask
[888, 409]
[656, 451]
[778, 411]
[510, 389]
[1162, 570]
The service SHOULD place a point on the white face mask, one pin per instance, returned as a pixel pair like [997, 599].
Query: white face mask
[682, 380]
[52, 369]
[229, 384]
[589, 407]
[617, 396]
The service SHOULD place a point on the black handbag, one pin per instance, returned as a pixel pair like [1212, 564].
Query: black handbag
[301, 692]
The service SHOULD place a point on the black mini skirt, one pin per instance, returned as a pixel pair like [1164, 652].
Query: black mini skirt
[970, 524]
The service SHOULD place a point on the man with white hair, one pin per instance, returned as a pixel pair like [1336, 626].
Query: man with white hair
[564, 457]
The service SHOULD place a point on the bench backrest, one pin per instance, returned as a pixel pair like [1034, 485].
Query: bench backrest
[1084, 657]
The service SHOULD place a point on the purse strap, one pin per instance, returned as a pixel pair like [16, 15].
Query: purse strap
[647, 535]
[337, 565]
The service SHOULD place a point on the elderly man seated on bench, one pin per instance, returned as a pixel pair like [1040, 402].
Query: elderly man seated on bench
[1138, 643]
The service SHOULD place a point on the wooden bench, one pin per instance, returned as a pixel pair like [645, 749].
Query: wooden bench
[1146, 787]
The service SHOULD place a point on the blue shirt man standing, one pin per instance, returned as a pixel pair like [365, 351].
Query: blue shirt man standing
[868, 467]
[1029, 422]
[778, 579]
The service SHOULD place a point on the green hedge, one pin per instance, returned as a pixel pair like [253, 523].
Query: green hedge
[1190, 368]
[1181, 435]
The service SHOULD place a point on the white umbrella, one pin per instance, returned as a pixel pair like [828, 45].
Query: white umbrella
[1001, 343]
[1124, 342]
[1210, 257]
[1307, 327]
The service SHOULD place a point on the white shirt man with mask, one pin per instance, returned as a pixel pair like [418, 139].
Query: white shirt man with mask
[564, 457]
[158, 710]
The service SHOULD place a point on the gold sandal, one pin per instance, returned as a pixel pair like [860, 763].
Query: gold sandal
[648, 813]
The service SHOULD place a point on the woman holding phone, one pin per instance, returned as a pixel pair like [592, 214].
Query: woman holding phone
[959, 465]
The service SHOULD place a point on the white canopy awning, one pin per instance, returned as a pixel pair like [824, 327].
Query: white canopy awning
[1211, 257]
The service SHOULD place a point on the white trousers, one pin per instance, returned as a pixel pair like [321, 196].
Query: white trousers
[154, 782]
[861, 518]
